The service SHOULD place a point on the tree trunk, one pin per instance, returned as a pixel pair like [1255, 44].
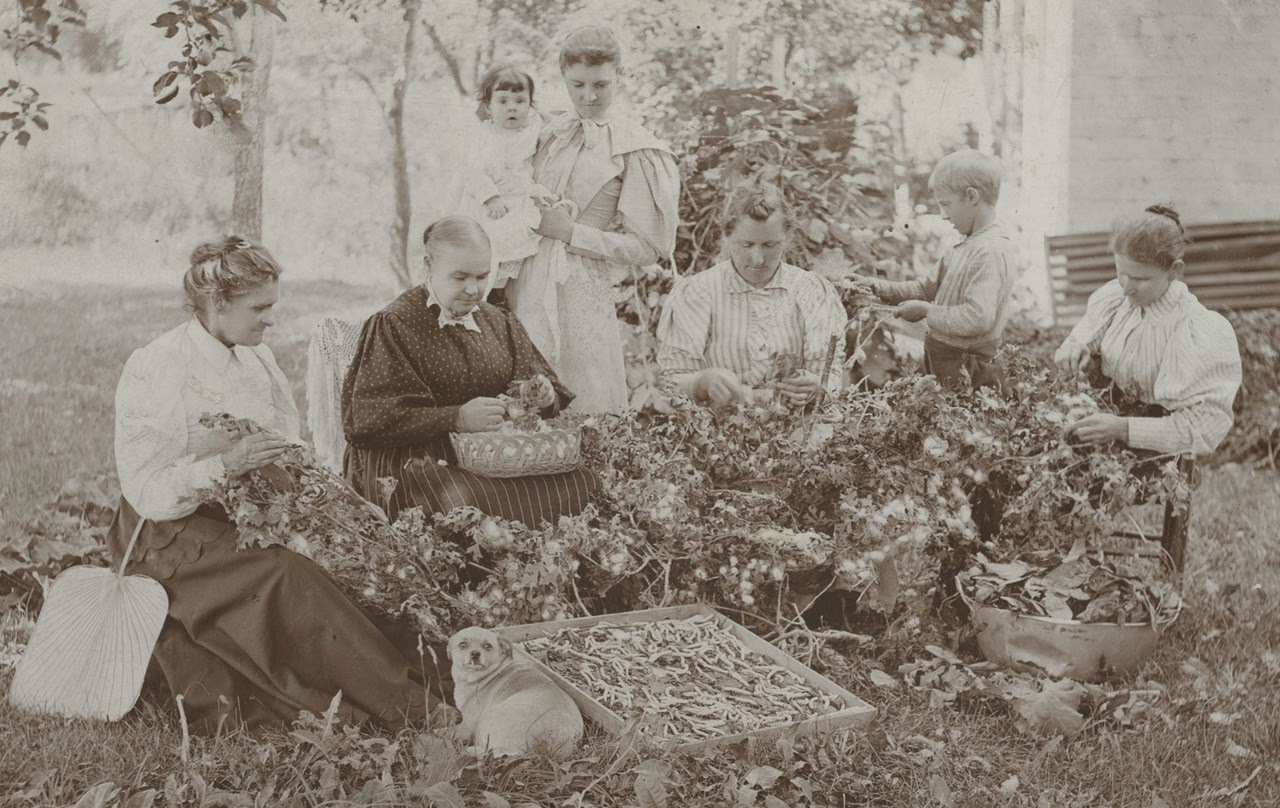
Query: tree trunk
[993, 73]
[399, 157]
[1011, 25]
[246, 205]
[731, 57]
[491, 38]
[898, 127]
[778, 63]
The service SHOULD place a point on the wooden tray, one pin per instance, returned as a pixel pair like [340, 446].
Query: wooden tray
[856, 712]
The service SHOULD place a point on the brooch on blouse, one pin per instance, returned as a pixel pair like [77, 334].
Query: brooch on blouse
[199, 388]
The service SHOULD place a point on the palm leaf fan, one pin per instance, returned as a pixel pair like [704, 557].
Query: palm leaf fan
[91, 644]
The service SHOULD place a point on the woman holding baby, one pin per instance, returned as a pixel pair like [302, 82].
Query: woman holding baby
[625, 186]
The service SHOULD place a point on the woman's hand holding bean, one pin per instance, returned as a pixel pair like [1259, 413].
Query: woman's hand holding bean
[481, 414]
[1099, 428]
[719, 386]
[1072, 357]
[801, 387]
[253, 452]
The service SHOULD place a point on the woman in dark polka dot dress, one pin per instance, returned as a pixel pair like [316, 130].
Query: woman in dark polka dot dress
[433, 362]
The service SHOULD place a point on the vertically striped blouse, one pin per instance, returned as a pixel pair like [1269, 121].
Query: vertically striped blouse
[1177, 353]
[715, 319]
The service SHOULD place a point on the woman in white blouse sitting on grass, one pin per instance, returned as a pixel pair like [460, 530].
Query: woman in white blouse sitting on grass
[722, 330]
[253, 634]
[1158, 341]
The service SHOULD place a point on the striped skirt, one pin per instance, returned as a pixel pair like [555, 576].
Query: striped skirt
[420, 480]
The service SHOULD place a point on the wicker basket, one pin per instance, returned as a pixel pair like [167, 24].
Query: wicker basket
[518, 454]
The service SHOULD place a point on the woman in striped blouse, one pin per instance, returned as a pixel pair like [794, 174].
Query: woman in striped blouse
[1158, 342]
[728, 328]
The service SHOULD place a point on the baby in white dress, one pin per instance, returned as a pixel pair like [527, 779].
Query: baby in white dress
[505, 184]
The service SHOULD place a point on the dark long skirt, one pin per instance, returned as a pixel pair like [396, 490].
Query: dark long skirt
[255, 635]
[421, 481]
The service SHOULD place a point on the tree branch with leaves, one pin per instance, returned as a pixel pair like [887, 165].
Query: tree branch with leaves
[212, 71]
[36, 28]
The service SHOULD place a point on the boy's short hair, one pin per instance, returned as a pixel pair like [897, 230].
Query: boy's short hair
[968, 168]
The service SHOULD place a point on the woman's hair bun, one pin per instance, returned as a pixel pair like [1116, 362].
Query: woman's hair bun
[217, 249]
[1168, 212]
[1153, 237]
[221, 270]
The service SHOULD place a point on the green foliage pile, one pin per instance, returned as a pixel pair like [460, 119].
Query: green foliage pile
[70, 530]
[751, 509]
[1255, 438]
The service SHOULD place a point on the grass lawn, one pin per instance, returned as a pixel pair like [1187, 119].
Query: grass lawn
[64, 349]
[1199, 725]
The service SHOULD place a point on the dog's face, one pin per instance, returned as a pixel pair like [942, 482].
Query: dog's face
[477, 650]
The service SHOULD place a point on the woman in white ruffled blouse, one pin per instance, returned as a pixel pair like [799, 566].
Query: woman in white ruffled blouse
[1158, 343]
[254, 634]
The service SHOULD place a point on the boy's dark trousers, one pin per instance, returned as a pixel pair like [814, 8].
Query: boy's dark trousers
[947, 363]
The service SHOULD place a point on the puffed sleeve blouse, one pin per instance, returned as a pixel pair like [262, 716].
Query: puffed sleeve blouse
[1176, 353]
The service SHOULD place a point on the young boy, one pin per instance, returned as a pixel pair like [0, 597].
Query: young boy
[966, 303]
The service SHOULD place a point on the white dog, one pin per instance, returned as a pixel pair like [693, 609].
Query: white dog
[508, 706]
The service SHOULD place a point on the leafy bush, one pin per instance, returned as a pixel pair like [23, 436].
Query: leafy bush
[831, 169]
[755, 511]
[1255, 438]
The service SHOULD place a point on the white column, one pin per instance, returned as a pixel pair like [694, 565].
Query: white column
[1046, 135]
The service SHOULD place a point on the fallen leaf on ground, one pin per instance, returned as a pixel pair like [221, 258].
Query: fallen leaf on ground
[881, 679]
[1236, 750]
[1054, 709]
[1227, 791]
[763, 776]
[943, 654]
[941, 792]
[1193, 666]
